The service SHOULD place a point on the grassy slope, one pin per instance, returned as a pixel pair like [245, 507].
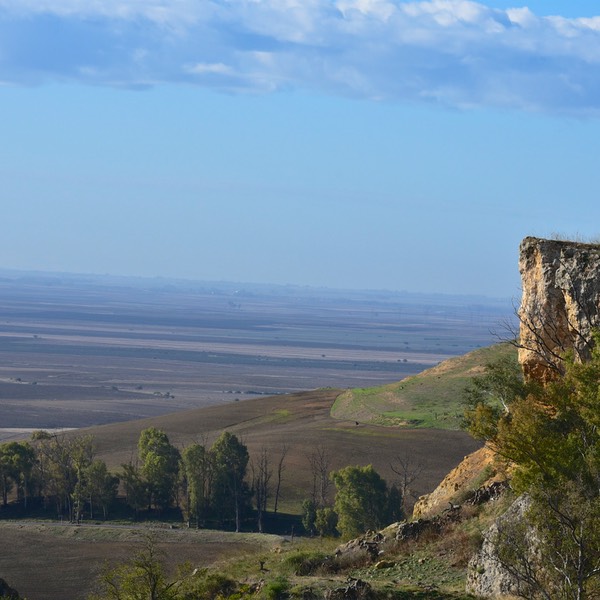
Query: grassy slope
[52, 561]
[431, 399]
[302, 421]
[432, 569]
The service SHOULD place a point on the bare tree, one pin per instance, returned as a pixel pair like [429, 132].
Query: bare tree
[548, 327]
[547, 546]
[261, 477]
[280, 470]
[408, 471]
[547, 338]
[61, 463]
[320, 464]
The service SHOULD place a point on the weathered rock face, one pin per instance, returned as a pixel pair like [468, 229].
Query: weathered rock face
[560, 304]
[455, 487]
[559, 310]
[487, 577]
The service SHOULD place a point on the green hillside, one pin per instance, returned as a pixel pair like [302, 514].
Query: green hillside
[431, 399]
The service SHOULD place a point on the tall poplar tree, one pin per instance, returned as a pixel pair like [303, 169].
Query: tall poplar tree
[159, 466]
[230, 492]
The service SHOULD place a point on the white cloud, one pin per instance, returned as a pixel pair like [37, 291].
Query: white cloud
[209, 68]
[454, 52]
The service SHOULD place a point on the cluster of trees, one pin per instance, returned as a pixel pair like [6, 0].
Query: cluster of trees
[209, 484]
[222, 485]
[218, 485]
[550, 433]
[363, 500]
[57, 470]
[206, 483]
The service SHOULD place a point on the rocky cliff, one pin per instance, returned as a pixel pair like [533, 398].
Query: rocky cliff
[560, 303]
[559, 310]
[487, 576]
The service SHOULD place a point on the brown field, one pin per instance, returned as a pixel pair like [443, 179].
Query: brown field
[52, 561]
[302, 421]
[76, 351]
[65, 558]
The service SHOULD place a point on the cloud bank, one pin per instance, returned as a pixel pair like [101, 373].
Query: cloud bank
[452, 52]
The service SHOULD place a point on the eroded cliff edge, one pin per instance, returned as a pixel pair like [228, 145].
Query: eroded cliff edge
[560, 305]
[559, 311]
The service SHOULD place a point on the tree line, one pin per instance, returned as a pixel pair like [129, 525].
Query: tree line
[213, 486]
[58, 471]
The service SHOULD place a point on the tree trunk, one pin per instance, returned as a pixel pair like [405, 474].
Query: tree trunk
[4, 490]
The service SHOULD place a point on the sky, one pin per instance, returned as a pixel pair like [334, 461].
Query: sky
[365, 144]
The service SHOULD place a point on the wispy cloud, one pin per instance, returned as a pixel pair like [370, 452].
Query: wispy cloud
[454, 52]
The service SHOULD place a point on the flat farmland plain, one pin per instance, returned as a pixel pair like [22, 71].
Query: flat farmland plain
[79, 351]
[113, 357]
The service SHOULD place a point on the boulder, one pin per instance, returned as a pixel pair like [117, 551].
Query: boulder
[460, 483]
[356, 589]
[487, 577]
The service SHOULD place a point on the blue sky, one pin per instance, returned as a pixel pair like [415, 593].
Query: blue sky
[351, 143]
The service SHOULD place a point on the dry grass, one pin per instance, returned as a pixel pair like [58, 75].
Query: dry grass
[132, 353]
[49, 561]
[63, 559]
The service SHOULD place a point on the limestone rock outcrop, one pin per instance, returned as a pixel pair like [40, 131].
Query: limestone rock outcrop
[456, 486]
[560, 304]
[559, 310]
[487, 577]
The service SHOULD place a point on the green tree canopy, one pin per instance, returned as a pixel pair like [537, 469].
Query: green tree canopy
[61, 463]
[159, 466]
[101, 487]
[230, 492]
[17, 460]
[326, 521]
[141, 578]
[361, 500]
[135, 487]
[197, 474]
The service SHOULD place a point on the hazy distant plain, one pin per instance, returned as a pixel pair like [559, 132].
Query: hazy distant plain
[80, 351]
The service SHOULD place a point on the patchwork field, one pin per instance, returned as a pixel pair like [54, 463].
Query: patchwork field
[78, 351]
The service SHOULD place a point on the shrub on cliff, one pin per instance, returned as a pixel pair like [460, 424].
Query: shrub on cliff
[551, 434]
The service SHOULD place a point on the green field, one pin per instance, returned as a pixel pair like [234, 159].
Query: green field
[431, 399]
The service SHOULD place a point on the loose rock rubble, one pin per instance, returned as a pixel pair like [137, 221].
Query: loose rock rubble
[356, 589]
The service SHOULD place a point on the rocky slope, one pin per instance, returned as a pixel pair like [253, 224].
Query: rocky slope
[476, 471]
